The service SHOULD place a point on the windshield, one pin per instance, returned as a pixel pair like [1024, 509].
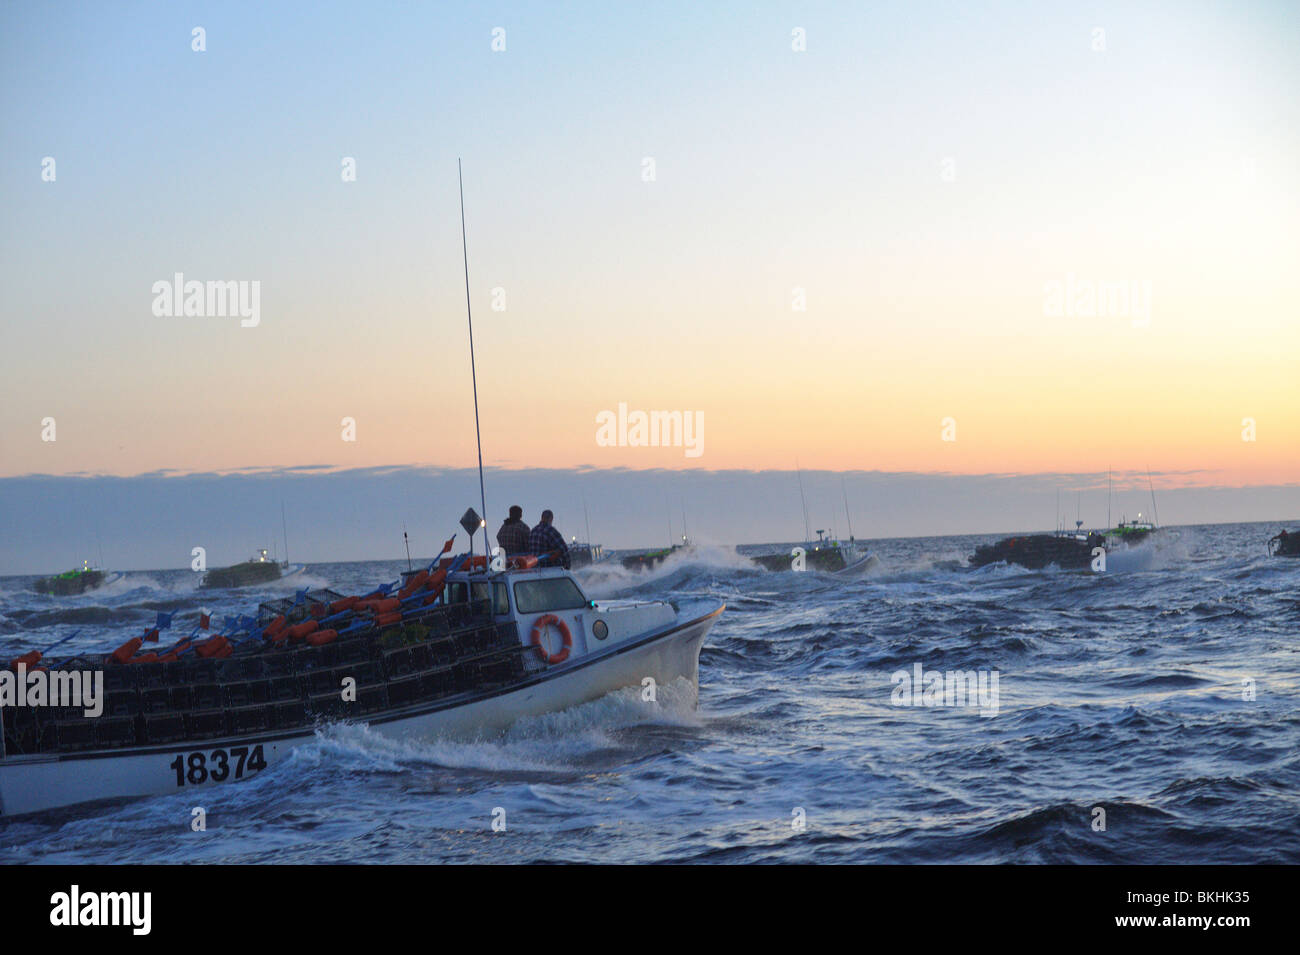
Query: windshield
[549, 593]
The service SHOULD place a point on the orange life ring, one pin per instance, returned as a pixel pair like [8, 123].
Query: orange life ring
[539, 627]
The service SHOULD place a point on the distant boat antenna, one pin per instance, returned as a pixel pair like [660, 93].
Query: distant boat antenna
[408, 547]
[469, 315]
[587, 520]
[1155, 512]
[686, 539]
[807, 527]
[284, 526]
[845, 489]
[1108, 524]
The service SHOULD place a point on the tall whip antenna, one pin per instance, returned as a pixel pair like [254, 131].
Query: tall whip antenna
[807, 528]
[464, 245]
[1108, 523]
[844, 487]
[1155, 512]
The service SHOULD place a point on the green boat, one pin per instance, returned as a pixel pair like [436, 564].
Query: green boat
[72, 583]
[256, 570]
[827, 556]
[1130, 532]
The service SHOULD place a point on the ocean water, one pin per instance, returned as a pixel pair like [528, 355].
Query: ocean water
[1128, 692]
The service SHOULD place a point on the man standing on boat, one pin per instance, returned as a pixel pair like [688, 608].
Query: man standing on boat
[513, 535]
[548, 543]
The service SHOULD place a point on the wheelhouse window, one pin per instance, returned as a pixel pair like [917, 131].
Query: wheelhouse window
[548, 593]
[458, 593]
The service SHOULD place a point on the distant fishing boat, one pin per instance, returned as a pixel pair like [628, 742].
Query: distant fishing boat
[829, 556]
[650, 559]
[826, 556]
[258, 569]
[74, 582]
[1132, 533]
[1285, 544]
[1069, 551]
[583, 554]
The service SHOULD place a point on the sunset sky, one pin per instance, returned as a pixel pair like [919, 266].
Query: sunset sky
[924, 172]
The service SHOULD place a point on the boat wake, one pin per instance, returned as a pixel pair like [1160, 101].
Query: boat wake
[601, 731]
[610, 577]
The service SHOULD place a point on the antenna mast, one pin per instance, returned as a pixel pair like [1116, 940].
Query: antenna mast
[469, 315]
[1108, 523]
[845, 489]
[284, 526]
[807, 528]
[1154, 510]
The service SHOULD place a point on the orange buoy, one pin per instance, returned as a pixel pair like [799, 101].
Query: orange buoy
[300, 630]
[387, 619]
[126, 651]
[27, 659]
[321, 637]
[346, 603]
[213, 647]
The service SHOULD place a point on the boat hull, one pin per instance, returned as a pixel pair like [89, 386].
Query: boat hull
[38, 783]
[241, 575]
[1039, 551]
[828, 560]
[1288, 546]
[72, 586]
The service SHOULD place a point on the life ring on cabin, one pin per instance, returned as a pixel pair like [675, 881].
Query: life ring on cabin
[539, 627]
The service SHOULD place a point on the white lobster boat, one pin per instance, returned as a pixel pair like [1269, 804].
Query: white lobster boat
[490, 648]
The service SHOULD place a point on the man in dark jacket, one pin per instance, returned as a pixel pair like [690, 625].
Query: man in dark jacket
[513, 536]
[546, 540]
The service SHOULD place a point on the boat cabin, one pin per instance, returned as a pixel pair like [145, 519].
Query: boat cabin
[551, 612]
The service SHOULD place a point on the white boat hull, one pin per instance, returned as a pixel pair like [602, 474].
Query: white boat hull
[38, 783]
[859, 566]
